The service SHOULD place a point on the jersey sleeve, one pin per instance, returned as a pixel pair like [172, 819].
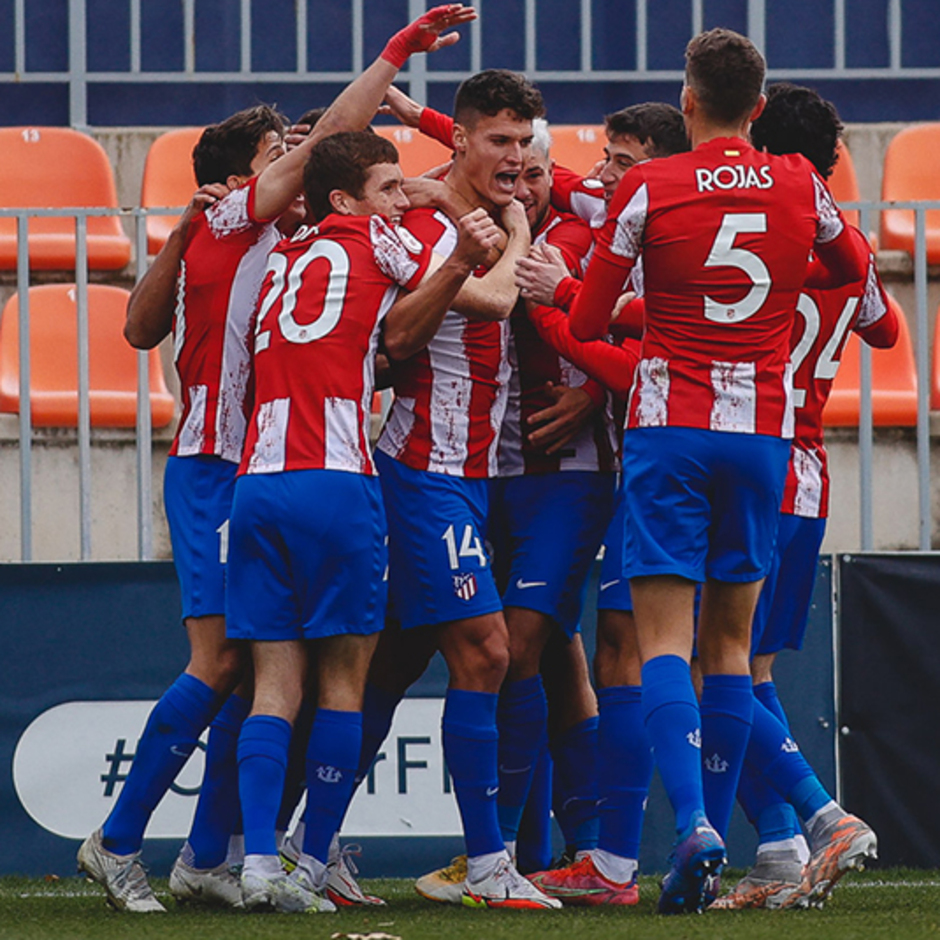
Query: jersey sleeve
[584, 198]
[233, 213]
[573, 239]
[438, 126]
[398, 253]
[612, 366]
[877, 321]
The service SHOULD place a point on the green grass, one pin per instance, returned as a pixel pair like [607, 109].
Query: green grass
[895, 904]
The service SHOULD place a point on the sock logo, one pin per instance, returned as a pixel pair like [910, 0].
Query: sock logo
[492, 791]
[329, 774]
[695, 738]
[790, 746]
[716, 765]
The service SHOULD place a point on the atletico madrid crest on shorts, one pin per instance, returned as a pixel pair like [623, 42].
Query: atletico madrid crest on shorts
[465, 585]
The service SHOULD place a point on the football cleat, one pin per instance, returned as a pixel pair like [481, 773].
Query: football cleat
[699, 853]
[446, 884]
[506, 888]
[217, 887]
[751, 892]
[580, 883]
[341, 885]
[850, 842]
[122, 876]
[287, 894]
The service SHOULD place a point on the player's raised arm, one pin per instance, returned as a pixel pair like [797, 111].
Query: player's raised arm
[415, 318]
[357, 103]
[150, 306]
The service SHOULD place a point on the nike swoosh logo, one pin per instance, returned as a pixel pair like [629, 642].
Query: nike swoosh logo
[522, 585]
[179, 751]
[515, 770]
[492, 791]
[609, 584]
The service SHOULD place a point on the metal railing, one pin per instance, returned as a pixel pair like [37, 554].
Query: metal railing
[417, 75]
[143, 432]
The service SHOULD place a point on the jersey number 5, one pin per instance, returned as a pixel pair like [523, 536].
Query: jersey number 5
[723, 254]
[282, 276]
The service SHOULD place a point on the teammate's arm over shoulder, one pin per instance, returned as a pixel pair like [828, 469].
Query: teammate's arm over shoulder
[153, 299]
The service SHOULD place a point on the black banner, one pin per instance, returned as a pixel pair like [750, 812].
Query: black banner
[890, 703]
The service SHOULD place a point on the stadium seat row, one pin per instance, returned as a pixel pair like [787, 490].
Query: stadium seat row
[32, 159]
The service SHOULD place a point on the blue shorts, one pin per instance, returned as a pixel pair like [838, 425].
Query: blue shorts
[197, 495]
[438, 567]
[613, 589]
[307, 556]
[702, 504]
[783, 606]
[545, 530]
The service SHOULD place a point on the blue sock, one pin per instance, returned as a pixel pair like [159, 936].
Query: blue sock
[217, 809]
[262, 765]
[522, 722]
[575, 753]
[534, 845]
[766, 693]
[626, 768]
[295, 778]
[378, 712]
[332, 758]
[168, 739]
[674, 727]
[775, 755]
[727, 707]
[470, 747]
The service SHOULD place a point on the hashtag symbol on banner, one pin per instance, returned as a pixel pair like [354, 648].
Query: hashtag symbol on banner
[116, 760]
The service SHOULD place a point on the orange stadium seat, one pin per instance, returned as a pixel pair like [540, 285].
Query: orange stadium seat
[54, 360]
[578, 146]
[893, 382]
[935, 368]
[912, 171]
[55, 167]
[843, 184]
[168, 181]
[417, 153]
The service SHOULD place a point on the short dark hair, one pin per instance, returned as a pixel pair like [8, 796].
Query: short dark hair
[493, 90]
[659, 127]
[726, 72]
[799, 120]
[342, 161]
[229, 147]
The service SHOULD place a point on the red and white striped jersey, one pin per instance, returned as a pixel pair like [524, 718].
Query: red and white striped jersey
[534, 363]
[820, 333]
[582, 197]
[450, 398]
[217, 290]
[726, 234]
[325, 294]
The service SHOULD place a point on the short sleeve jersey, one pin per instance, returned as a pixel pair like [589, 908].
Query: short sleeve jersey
[325, 294]
[450, 398]
[821, 330]
[725, 234]
[534, 363]
[217, 290]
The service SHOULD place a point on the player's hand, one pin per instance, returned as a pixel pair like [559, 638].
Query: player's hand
[399, 105]
[205, 196]
[596, 170]
[296, 135]
[425, 33]
[539, 274]
[622, 301]
[514, 219]
[423, 193]
[477, 234]
[558, 424]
